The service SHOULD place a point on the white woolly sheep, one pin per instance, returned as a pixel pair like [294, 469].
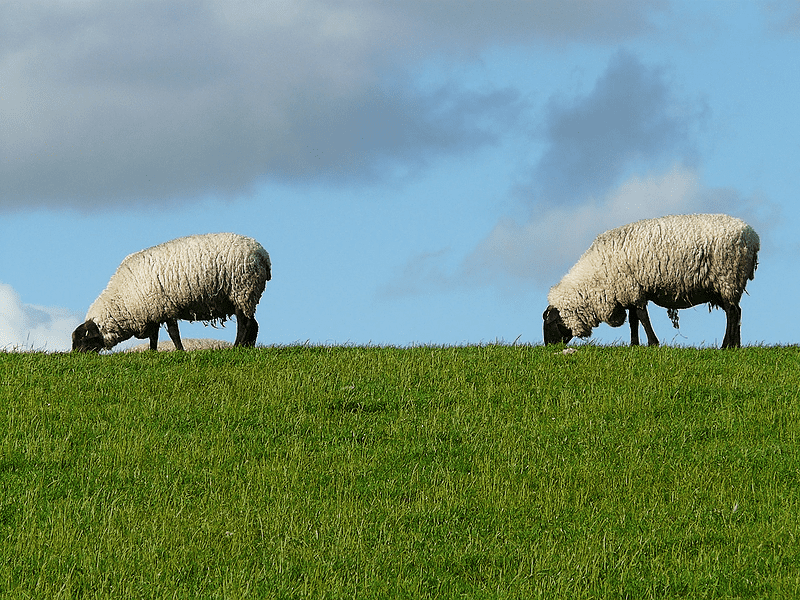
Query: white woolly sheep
[196, 278]
[676, 262]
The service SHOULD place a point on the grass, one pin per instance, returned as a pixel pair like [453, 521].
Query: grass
[350, 472]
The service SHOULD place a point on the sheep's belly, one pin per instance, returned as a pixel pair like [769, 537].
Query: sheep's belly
[694, 299]
[219, 309]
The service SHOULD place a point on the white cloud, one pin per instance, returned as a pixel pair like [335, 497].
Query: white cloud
[541, 249]
[544, 247]
[31, 327]
[623, 152]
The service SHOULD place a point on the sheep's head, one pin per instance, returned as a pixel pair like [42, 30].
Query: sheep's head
[555, 331]
[87, 338]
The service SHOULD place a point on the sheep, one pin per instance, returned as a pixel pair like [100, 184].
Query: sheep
[676, 261]
[195, 278]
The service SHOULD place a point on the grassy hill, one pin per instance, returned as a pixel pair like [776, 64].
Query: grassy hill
[426, 472]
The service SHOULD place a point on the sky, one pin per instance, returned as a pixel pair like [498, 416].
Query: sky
[421, 172]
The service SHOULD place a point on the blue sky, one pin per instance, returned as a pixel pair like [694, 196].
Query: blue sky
[420, 172]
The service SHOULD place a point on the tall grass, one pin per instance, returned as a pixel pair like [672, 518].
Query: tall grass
[344, 472]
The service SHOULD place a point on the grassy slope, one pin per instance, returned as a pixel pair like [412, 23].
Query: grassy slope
[381, 472]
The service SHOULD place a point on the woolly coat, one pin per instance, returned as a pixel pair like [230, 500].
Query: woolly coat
[195, 278]
[676, 261]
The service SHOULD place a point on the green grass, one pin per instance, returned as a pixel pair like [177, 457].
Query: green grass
[349, 472]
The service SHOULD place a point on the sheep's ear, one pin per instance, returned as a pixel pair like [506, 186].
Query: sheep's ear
[551, 314]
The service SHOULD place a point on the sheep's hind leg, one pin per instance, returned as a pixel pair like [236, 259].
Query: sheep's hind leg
[252, 333]
[644, 317]
[174, 333]
[733, 327]
[246, 330]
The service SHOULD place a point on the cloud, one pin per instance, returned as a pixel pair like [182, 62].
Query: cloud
[31, 327]
[454, 25]
[141, 101]
[630, 118]
[783, 17]
[542, 249]
[622, 152]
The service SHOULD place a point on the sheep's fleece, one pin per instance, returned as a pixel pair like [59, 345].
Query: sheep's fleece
[194, 278]
[676, 261]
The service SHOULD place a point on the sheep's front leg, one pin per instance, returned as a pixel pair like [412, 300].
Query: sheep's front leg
[644, 317]
[151, 332]
[635, 316]
[633, 320]
[174, 333]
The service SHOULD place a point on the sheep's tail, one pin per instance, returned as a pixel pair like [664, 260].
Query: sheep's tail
[265, 265]
[259, 269]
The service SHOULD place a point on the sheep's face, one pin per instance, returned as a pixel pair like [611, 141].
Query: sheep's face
[87, 338]
[554, 329]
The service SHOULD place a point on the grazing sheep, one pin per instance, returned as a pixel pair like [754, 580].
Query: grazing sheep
[195, 278]
[676, 262]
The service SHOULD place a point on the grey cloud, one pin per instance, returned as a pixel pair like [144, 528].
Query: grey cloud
[783, 16]
[390, 127]
[629, 118]
[143, 101]
[473, 24]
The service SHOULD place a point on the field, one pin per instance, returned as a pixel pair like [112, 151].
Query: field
[424, 472]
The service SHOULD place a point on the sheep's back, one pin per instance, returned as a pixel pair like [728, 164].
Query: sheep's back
[685, 257]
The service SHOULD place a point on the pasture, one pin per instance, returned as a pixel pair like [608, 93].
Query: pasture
[424, 472]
